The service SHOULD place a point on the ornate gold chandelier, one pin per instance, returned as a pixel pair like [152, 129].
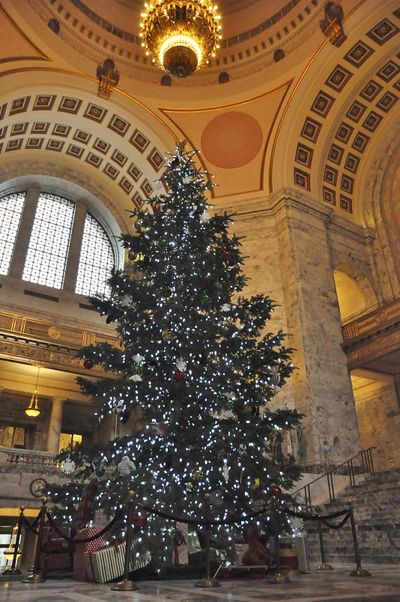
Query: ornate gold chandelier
[180, 36]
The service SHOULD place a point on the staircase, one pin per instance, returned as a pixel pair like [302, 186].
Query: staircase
[376, 504]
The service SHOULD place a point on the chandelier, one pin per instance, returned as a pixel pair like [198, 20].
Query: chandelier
[181, 37]
[33, 408]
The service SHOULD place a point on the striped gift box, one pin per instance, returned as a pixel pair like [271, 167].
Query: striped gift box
[108, 564]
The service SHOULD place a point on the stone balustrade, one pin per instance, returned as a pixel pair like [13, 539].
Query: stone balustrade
[27, 459]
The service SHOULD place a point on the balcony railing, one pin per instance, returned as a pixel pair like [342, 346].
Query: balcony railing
[373, 322]
[27, 459]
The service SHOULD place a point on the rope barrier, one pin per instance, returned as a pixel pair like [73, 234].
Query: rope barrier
[323, 518]
[198, 521]
[86, 539]
[28, 525]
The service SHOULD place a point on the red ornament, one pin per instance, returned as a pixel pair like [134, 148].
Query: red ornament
[139, 521]
[156, 207]
[179, 375]
[226, 253]
[88, 363]
[276, 491]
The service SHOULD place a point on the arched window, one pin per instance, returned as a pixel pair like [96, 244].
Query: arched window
[96, 259]
[49, 241]
[59, 241]
[11, 207]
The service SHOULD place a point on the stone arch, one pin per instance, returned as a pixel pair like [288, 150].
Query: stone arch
[354, 291]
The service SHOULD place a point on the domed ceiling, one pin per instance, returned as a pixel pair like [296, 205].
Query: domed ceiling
[252, 31]
[293, 110]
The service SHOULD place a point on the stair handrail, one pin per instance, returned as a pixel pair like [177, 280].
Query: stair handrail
[368, 466]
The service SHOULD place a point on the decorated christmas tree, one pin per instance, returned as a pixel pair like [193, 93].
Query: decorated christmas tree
[196, 364]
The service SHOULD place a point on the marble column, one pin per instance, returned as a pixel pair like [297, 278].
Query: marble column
[53, 437]
[321, 383]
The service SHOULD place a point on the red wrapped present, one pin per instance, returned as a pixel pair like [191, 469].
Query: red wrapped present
[80, 573]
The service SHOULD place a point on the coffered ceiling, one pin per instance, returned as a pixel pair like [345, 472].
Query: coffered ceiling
[314, 117]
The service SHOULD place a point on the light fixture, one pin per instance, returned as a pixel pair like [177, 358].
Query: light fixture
[181, 37]
[33, 408]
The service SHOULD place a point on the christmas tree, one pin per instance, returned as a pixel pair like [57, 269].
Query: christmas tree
[196, 363]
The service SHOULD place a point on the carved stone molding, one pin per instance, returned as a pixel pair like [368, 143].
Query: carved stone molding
[32, 340]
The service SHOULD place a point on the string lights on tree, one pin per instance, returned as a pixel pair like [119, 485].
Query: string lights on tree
[197, 363]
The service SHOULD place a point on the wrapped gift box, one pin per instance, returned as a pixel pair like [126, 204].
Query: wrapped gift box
[80, 549]
[180, 551]
[108, 563]
[193, 542]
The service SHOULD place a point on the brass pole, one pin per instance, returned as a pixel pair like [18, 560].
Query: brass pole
[359, 571]
[127, 585]
[14, 570]
[207, 581]
[278, 576]
[324, 566]
[37, 575]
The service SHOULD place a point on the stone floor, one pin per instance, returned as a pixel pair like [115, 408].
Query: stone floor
[335, 586]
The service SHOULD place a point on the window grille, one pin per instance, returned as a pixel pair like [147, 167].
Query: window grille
[11, 207]
[49, 242]
[96, 260]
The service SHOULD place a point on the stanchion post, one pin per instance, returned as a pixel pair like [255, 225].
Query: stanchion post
[37, 575]
[324, 566]
[278, 576]
[207, 581]
[359, 571]
[14, 570]
[126, 585]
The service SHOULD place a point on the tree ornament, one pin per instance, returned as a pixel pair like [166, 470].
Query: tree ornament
[136, 378]
[275, 376]
[181, 364]
[225, 471]
[257, 483]
[242, 450]
[68, 466]
[163, 242]
[179, 375]
[140, 522]
[138, 359]
[118, 406]
[187, 179]
[226, 253]
[88, 363]
[205, 300]
[197, 474]
[156, 207]
[135, 257]
[189, 487]
[226, 307]
[276, 491]
[126, 466]
[204, 217]
[167, 335]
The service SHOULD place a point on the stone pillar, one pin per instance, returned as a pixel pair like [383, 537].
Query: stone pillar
[321, 383]
[396, 381]
[53, 437]
[71, 270]
[24, 233]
